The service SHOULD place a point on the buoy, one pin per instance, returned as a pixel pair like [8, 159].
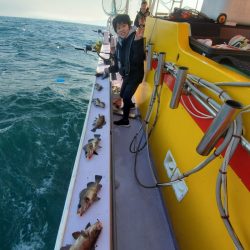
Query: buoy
[60, 80]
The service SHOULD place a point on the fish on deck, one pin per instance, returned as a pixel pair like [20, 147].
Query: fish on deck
[85, 239]
[98, 103]
[89, 195]
[91, 147]
[99, 122]
[98, 87]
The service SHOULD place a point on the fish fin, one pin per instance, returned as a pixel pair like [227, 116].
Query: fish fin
[98, 178]
[78, 206]
[93, 130]
[84, 234]
[67, 247]
[90, 184]
[95, 153]
[90, 140]
[97, 135]
[88, 225]
[76, 235]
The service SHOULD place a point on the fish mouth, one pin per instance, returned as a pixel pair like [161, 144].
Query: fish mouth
[83, 209]
[99, 226]
[90, 154]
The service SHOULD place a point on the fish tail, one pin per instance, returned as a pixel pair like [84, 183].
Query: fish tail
[98, 178]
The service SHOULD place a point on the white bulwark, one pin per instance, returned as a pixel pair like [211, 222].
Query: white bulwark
[84, 171]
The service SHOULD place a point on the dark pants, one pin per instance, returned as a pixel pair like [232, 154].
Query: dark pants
[129, 86]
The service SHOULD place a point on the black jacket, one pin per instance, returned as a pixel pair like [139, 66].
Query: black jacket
[129, 57]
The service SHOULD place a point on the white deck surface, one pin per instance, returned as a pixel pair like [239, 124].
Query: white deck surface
[84, 171]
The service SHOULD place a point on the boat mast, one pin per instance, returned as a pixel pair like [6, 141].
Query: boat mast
[126, 7]
[151, 5]
[113, 7]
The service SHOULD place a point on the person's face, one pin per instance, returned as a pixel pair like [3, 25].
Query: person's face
[143, 8]
[122, 30]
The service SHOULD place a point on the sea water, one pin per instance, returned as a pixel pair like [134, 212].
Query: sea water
[45, 86]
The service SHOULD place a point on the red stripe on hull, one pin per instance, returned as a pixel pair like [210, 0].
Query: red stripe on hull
[240, 161]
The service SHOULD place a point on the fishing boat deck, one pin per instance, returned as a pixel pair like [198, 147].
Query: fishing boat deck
[140, 220]
[133, 217]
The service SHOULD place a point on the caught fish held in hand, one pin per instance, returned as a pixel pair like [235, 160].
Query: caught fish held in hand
[89, 195]
[98, 103]
[92, 146]
[98, 122]
[85, 239]
[116, 89]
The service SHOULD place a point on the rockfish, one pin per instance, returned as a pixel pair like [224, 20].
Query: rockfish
[98, 87]
[97, 102]
[116, 90]
[98, 122]
[85, 240]
[89, 195]
[92, 146]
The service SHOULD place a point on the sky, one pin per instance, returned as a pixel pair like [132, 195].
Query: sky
[82, 11]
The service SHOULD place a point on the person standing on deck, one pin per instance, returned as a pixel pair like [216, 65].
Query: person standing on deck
[142, 14]
[129, 58]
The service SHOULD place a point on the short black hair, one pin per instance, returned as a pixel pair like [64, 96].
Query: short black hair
[144, 2]
[121, 19]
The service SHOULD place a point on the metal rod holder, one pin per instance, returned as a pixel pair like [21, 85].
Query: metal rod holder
[221, 122]
[178, 87]
[159, 70]
[149, 56]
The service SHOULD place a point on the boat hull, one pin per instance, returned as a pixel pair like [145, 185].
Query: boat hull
[196, 220]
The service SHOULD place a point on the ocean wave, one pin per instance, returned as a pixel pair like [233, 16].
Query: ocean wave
[36, 240]
[40, 124]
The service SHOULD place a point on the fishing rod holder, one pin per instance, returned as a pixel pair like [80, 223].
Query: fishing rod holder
[149, 50]
[178, 87]
[105, 37]
[159, 70]
[113, 43]
[228, 112]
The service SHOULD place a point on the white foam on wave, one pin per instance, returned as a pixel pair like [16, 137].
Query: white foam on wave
[36, 240]
[46, 184]
[3, 130]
